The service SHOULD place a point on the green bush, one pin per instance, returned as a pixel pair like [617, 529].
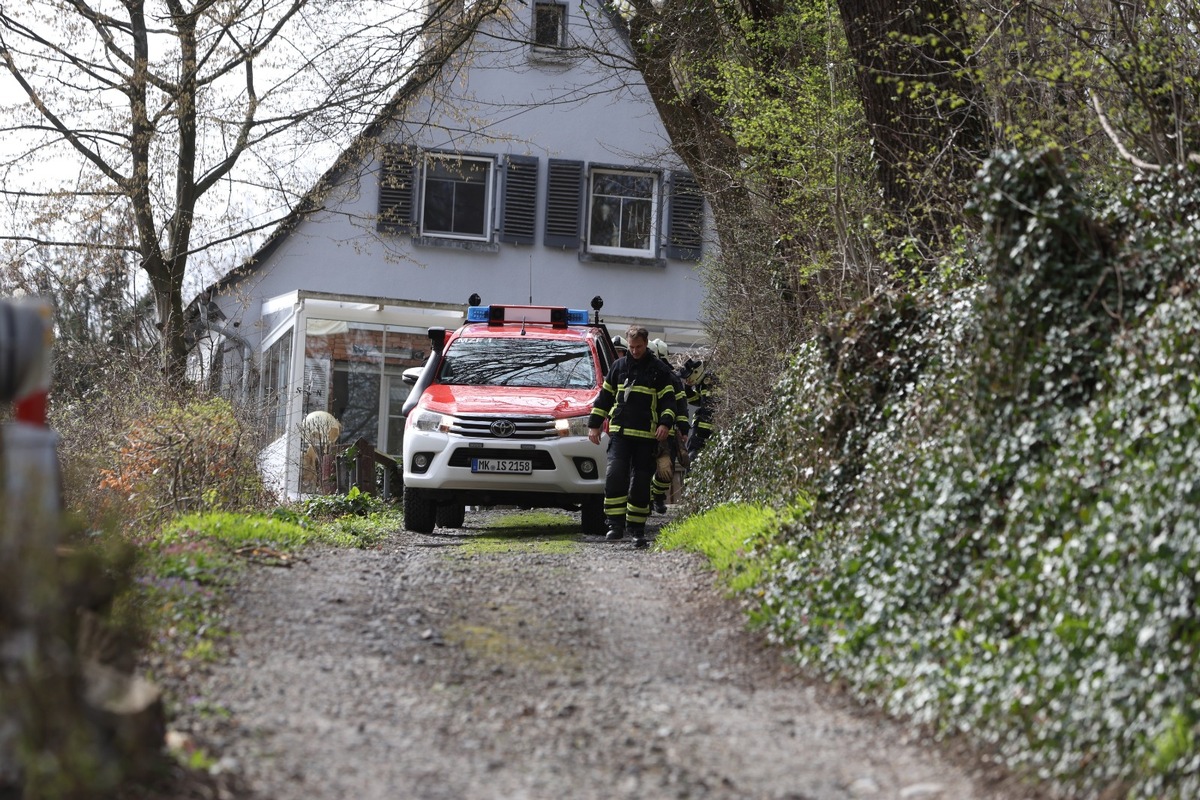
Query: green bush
[327, 506]
[1006, 536]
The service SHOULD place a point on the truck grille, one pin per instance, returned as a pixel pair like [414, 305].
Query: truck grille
[480, 426]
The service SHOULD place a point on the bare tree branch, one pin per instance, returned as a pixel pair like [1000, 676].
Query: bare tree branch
[175, 99]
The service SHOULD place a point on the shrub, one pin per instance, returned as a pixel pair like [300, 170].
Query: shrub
[184, 457]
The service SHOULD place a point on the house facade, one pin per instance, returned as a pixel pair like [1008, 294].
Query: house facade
[526, 171]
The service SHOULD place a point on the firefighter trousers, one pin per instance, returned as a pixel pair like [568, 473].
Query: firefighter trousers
[627, 484]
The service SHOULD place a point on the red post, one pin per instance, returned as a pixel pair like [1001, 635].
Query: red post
[32, 338]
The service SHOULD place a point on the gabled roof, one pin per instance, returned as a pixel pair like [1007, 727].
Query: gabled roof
[427, 67]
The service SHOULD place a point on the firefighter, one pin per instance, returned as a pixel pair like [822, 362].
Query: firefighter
[701, 386]
[669, 451]
[620, 346]
[638, 402]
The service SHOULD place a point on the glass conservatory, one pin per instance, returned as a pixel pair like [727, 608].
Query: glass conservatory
[326, 373]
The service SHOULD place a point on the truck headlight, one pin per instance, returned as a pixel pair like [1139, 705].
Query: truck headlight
[431, 421]
[571, 426]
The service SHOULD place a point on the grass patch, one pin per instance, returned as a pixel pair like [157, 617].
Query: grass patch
[730, 537]
[186, 566]
[535, 521]
[528, 532]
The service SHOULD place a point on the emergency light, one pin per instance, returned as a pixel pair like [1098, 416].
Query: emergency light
[558, 316]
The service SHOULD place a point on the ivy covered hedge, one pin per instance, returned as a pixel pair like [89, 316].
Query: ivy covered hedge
[1006, 535]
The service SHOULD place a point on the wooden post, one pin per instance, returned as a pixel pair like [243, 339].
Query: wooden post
[364, 467]
[327, 472]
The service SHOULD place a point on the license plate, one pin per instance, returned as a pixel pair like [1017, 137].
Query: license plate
[514, 465]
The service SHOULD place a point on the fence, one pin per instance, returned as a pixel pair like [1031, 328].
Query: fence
[361, 465]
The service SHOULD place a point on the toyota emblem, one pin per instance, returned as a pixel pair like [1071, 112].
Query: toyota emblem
[503, 428]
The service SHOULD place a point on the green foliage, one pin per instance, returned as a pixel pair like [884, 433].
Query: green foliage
[820, 414]
[355, 530]
[790, 216]
[354, 502]
[1006, 539]
[730, 537]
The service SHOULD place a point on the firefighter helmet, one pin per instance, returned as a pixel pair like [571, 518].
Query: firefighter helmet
[659, 347]
[620, 344]
[693, 372]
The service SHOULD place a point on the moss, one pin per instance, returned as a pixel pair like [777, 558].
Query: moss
[511, 641]
[530, 532]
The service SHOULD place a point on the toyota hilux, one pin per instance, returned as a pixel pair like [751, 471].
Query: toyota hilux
[498, 416]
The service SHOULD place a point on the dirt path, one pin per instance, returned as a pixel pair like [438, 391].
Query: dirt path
[432, 668]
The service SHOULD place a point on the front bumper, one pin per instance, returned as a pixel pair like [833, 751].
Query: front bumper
[569, 465]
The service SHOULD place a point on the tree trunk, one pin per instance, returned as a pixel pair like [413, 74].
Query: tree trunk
[757, 302]
[167, 285]
[930, 134]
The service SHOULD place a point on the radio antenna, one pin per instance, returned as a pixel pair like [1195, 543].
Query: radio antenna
[531, 279]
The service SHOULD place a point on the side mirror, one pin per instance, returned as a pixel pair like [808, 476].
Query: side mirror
[410, 375]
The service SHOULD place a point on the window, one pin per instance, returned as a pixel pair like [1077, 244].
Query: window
[507, 361]
[456, 197]
[621, 214]
[549, 25]
[277, 368]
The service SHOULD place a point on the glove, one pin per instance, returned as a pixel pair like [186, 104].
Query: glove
[664, 469]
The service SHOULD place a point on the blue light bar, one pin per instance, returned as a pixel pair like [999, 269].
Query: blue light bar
[557, 316]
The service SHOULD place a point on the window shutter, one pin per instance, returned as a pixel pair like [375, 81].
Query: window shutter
[519, 214]
[564, 203]
[397, 189]
[685, 221]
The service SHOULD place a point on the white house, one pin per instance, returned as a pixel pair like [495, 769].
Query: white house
[524, 172]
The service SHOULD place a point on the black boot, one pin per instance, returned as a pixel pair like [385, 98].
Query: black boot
[639, 536]
[616, 529]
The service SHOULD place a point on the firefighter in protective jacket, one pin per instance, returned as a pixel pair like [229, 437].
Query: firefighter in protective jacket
[668, 451]
[701, 387]
[638, 402]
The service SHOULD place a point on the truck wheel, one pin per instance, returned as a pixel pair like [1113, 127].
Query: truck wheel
[451, 516]
[420, 512]
[591, 516]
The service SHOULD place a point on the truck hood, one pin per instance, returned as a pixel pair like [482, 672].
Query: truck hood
[508, 400]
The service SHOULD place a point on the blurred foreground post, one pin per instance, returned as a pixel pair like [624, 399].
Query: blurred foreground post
[32, 479]
[73, 724]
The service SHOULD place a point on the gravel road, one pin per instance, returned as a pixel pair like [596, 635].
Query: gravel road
[435, 667]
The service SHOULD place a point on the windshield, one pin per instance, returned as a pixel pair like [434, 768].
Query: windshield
[511, 361]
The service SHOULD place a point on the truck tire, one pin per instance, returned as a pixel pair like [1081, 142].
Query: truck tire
[420, 512]
[452, 515]
[591, 516]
